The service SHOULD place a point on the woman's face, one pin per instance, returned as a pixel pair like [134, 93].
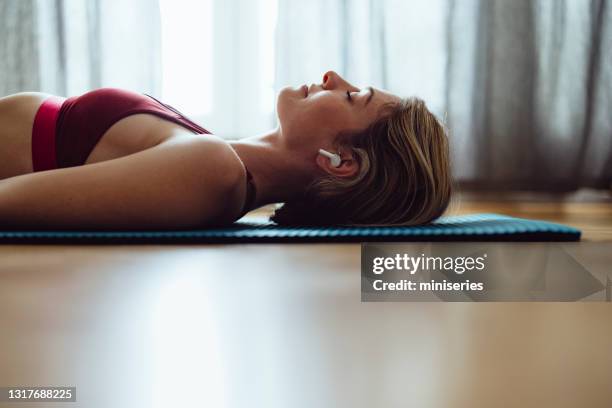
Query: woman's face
[312, 116]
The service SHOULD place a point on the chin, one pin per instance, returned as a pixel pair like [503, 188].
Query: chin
[285, 103]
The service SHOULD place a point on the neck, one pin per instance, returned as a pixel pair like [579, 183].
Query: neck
[277, 175]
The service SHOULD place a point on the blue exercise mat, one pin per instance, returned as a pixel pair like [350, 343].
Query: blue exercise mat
[474, 227]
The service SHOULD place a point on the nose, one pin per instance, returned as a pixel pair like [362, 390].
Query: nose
[332, 80]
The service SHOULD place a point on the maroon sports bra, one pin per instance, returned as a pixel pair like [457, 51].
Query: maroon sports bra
[66, 130]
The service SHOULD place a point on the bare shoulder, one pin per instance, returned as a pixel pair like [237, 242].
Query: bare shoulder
[188, 181]
[215, 155]
[221, 172]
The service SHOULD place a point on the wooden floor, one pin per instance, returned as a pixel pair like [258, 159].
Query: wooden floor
[283, 326]
[593, 219]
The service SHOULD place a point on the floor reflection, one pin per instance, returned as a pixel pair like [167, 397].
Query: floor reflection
[188, 363]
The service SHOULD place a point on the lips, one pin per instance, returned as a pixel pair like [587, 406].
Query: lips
[305, 90]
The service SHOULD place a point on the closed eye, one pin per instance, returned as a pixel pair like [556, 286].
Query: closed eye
[348, 95]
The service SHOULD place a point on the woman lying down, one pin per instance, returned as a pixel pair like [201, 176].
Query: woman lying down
[115, 159]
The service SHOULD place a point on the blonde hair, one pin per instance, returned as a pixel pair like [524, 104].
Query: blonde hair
[404, 175]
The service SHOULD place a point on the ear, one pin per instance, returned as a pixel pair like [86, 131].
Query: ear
[348, 166]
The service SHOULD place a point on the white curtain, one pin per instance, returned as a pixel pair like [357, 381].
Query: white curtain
[396, 45]
[218, 63]
[68, 47]
[525, 86]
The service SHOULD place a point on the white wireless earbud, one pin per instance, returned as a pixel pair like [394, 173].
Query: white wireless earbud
[333, 158]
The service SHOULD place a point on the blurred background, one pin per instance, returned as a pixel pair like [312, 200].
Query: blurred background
[525, 87]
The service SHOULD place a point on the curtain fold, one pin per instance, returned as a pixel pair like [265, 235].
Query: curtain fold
[67, 47]
[540, 98]
[524, 86]
[18, 51]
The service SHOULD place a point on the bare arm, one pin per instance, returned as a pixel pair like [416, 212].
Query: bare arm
[186, 182]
